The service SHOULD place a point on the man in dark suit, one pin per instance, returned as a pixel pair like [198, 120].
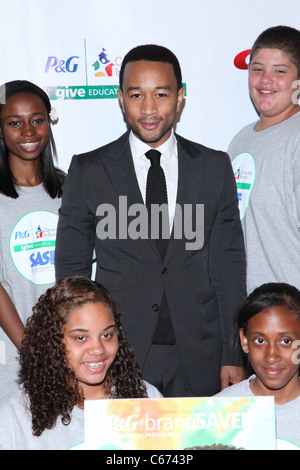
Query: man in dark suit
[177, 306]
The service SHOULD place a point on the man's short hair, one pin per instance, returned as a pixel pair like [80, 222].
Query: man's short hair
[152, 53]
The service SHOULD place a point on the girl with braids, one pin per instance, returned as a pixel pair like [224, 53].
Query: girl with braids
[74, 349]
[30, 197]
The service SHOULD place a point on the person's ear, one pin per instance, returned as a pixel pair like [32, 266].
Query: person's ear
[180, 97]
[244, 341]
[120, 93]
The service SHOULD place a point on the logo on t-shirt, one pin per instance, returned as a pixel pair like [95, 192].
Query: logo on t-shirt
[32, 246]
[244, 171]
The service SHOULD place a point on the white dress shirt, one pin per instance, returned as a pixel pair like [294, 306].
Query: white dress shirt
[168, 161]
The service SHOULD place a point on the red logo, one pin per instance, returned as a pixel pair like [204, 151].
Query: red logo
[240, 60]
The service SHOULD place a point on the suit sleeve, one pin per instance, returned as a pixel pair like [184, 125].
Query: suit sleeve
[228, 267]
[76, 228]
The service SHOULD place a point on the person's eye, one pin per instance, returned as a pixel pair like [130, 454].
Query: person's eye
[80, 338]
[14, 123]
[286, 341]
[259, 341]
[135, 96]
[38, 121]
[107, 335]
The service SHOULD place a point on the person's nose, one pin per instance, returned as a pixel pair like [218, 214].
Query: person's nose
[96, 347]
[266, 77]
[148, 106]
[272, 354]
[28, 129]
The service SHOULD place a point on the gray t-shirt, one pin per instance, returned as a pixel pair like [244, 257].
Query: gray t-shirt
[27, 247]
[287, 416]
[16, 427]
[267, 168]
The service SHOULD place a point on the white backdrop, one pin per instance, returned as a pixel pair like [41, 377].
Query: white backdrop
[57, 44]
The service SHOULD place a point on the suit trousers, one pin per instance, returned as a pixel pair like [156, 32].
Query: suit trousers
[163, 369]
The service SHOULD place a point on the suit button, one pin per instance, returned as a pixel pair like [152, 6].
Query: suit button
[164, 271]
[155, 308]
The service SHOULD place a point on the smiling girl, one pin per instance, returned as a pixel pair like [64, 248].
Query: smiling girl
[269, 326]
[74, 349]
[30, 196]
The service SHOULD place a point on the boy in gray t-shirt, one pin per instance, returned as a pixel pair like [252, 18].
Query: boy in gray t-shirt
[266, 163]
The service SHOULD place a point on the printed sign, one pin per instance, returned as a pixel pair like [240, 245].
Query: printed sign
[32, 246]
[180, 423]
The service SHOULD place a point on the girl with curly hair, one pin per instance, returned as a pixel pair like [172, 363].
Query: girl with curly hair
[74, 349]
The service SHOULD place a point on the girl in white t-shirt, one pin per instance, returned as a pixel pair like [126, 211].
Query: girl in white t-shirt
[27, 153]
[269, 324]
[74, 349]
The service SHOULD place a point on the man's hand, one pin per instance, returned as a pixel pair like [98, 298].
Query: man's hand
[231, 375]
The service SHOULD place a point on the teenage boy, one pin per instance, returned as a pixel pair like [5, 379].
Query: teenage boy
[266, 161]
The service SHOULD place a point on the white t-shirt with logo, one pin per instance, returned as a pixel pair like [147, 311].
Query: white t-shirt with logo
[267, 168]
[27, 251]
[16, 425]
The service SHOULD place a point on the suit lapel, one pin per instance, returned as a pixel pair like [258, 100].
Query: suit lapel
[190, 171]
[121, 171]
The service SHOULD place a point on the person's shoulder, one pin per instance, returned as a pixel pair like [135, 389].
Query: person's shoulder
[196, 148]
[107, 150]
[237, 390]
[244, 131]
[291, 124]
[244, 135]
[152, 391]
[16, 401]
[291, 405]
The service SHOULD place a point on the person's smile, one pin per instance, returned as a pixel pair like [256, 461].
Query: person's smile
[92, 343]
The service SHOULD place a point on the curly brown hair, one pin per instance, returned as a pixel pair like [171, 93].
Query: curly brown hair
[50, 384]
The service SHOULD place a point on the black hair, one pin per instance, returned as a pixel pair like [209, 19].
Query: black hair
[267, 296]
[152, 53]
[52, 176]
[264, 297]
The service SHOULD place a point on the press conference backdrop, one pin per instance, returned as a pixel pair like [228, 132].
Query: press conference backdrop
[74, 49]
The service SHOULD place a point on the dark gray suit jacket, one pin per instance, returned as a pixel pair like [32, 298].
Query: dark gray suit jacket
[204, 287]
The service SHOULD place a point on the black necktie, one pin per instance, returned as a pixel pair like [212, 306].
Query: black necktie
[156, 193]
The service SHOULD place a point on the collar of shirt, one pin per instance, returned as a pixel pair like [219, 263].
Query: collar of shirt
[169, 163]
[138, 149]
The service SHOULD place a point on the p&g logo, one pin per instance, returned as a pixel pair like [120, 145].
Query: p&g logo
[20, 235]
[54, 63]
